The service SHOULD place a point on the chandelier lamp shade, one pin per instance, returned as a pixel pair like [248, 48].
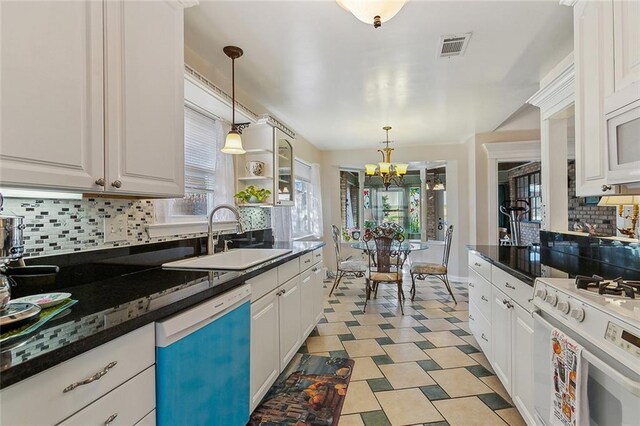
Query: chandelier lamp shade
[233, 141]
[389, 172]
[372, 11]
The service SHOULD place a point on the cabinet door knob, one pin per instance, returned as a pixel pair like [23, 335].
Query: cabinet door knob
[606, 188]
[116, 184]
[100, 181]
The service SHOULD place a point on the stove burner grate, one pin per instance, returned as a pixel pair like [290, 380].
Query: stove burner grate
[617, 287]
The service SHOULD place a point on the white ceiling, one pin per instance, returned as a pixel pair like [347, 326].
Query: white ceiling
[337, 81]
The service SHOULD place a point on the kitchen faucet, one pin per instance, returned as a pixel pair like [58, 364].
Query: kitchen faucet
[210, 240]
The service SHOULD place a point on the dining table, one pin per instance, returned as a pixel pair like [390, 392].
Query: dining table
[404, 248]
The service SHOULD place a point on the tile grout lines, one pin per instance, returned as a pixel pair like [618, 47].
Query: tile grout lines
[427, 368]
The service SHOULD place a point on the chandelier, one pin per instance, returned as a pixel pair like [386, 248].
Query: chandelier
[372, 11]
[389, 172]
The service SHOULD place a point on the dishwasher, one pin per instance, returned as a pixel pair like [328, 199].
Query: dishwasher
[203, 362]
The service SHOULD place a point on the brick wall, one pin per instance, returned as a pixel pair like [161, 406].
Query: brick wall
[581, 212]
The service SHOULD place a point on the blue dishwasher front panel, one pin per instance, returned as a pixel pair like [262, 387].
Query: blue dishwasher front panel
[203, 378]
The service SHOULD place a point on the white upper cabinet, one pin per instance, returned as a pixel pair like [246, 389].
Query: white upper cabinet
[92, 96]
[51, 103]
[626, 38]
[593, 53]
[145, 97]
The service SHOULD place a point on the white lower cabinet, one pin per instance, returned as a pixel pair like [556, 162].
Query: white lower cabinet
[307, 302]
[148, 420]
[290, 320]
[504, 329]
[318, 288]
[501, 337]
[265, 345]
[125, 405]
[522, 362]
[63, 392]
[286, 306]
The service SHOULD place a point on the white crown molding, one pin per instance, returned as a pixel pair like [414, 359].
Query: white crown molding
[514, 151]
[557, 94]
[274, 122]
[197, 78]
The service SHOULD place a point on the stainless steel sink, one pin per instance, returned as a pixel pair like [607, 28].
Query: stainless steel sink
[233, 260]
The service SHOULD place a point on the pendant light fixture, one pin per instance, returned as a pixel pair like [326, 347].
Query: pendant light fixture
[372, 11]
[233, 142]
[389, 172]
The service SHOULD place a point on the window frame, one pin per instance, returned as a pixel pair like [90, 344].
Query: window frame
[534, 197]
[297, 177]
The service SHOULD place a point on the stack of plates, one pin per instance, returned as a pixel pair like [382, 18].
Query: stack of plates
[25, 308]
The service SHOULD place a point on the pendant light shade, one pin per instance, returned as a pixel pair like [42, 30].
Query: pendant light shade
[372, 11]
[370, 169]
[233, 142]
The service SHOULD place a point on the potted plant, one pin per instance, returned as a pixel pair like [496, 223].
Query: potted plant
[252, 194]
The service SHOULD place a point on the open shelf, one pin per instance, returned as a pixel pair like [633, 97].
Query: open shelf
[259, 151]
[254, 178]
[255, 205]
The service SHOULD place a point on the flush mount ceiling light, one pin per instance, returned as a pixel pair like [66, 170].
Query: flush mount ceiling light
[389, 172]
[233, 142]
[372, 11]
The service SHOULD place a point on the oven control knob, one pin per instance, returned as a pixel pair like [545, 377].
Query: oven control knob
[577, 314]
[564, 307]
[551, 299]
[541, 293]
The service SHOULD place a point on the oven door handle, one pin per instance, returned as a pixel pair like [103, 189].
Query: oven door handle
[630, 385]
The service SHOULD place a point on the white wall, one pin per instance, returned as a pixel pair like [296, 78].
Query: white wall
[457, 193]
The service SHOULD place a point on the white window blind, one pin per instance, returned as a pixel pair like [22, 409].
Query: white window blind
[200, 150]
[201, 146]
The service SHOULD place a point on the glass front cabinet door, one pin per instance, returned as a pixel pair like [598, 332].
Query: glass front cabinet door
[283, 170]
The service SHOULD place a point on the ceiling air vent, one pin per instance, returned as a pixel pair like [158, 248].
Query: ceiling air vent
[453, 45]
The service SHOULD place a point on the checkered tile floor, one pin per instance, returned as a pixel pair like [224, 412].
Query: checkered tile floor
[420, 368]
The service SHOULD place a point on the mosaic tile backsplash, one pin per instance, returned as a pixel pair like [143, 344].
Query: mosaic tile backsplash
[66, 226]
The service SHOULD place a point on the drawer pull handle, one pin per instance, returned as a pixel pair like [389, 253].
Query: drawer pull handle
[110, 419]
[471, 285]
[507, 285]
[477, 264]
[484, 298]
[91, 379]
[307, 261]
[471, 317]
[484, 337]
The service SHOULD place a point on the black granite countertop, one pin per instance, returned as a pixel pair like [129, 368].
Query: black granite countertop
[529, 263]
[112, 307]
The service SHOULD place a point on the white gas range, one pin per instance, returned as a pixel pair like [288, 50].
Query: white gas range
[607, 325]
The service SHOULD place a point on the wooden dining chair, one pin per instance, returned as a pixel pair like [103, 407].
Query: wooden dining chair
[356, 268]
[388, 266]
[422, 270]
